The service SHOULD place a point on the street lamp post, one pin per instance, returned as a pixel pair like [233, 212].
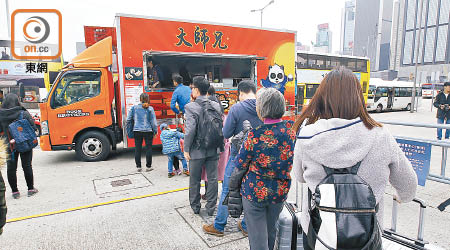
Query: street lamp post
[413, 98]
[262, 10]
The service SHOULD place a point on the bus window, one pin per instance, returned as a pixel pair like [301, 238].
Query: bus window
[311, 90]
[371, 92]
[382, 92]
[334, 63]
[302, 61]
[316, 62]
[398, 92]
[351, 64]
[408, 92]
[361, 65]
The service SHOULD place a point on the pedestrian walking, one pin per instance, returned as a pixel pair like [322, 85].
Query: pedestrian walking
[340, 138]
[3, 208]
[243, 112]
[203, 142]
[265, 159]
[10, 112]
[171, 147]
[442, 103]
[143, 117]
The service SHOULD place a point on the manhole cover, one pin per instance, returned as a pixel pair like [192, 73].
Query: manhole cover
[120, 183]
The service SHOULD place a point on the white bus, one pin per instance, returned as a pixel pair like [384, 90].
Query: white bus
[429, 88]
[390, 95]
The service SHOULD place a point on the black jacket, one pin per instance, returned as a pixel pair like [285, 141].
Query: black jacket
[3, 209]
[234, 198]
[442, 100]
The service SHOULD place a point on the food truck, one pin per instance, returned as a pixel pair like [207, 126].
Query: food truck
[86, 109]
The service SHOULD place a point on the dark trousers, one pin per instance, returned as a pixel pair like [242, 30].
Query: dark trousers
[25, 158]
[139, 137]
[261, 219]
[305, 242]
[195, 168]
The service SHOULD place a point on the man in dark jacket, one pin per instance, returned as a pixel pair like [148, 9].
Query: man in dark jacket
[442, 103]
[196, 154]
[240, 112]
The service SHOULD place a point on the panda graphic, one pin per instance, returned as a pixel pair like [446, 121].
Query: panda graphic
[276, 78]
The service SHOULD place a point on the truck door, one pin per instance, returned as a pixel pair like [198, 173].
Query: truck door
[78, 101]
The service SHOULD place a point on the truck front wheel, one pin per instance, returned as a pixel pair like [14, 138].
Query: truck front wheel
[93, 146]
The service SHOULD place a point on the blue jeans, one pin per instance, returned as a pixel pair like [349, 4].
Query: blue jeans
[439, 130]
[222, 211]
[180, 156]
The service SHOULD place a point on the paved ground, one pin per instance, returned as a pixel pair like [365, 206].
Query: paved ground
[161, 219]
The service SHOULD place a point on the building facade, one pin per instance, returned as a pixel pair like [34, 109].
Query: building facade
[323, 39]
[422, 36]
[348, 28]
[366, 31]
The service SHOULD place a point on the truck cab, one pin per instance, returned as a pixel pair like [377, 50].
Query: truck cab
[78, 112]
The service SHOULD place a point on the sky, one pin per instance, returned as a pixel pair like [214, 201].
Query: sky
[302, 16]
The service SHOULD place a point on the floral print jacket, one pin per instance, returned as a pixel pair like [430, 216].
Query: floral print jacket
[267, 153]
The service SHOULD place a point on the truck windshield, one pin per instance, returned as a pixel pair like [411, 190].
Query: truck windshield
[76, 86]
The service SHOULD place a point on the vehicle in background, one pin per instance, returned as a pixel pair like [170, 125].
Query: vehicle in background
[86, 109]
[391, 95]
[430, 90]
[311, 68]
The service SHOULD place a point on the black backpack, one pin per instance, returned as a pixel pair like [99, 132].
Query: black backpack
[209, 127]
[344, 212]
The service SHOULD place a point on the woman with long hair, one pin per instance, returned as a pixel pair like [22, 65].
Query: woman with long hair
[10, 112]
[144, 129]
[337, 132]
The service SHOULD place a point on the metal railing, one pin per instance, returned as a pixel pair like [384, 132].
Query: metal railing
[443, 144]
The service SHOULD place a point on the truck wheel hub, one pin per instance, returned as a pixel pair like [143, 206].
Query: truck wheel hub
[92, 147]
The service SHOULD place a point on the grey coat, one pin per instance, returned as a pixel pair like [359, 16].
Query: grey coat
[340, 143]
[193, 114]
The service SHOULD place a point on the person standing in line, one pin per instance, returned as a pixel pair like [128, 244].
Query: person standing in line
[10, 112]
[196, 153]
[212, 96]
[171, 147]
[244, 110]
[3, 208]
[339, 133]
[144, 129]
[442, 103]
[265, 158]
[1, 97]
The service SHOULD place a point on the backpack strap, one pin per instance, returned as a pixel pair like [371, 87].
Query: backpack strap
[354, 169]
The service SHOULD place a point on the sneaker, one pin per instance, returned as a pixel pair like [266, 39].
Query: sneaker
[179, 172]
[16, 195]
[210, 229]
[186, 172]
[149, 169]
[170, 175]
[32, 192]
[139, 169]
[242, 229]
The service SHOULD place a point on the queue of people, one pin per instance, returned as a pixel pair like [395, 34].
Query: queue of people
[333, 132]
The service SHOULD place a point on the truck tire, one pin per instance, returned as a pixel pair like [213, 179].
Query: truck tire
[93, 146]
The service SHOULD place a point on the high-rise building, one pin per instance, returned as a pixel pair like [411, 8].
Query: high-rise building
[422, 32]
[348, 28]
[369, 33]
[323, 39]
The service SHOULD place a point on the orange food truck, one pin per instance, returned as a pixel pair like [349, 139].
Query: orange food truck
[86, 109]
